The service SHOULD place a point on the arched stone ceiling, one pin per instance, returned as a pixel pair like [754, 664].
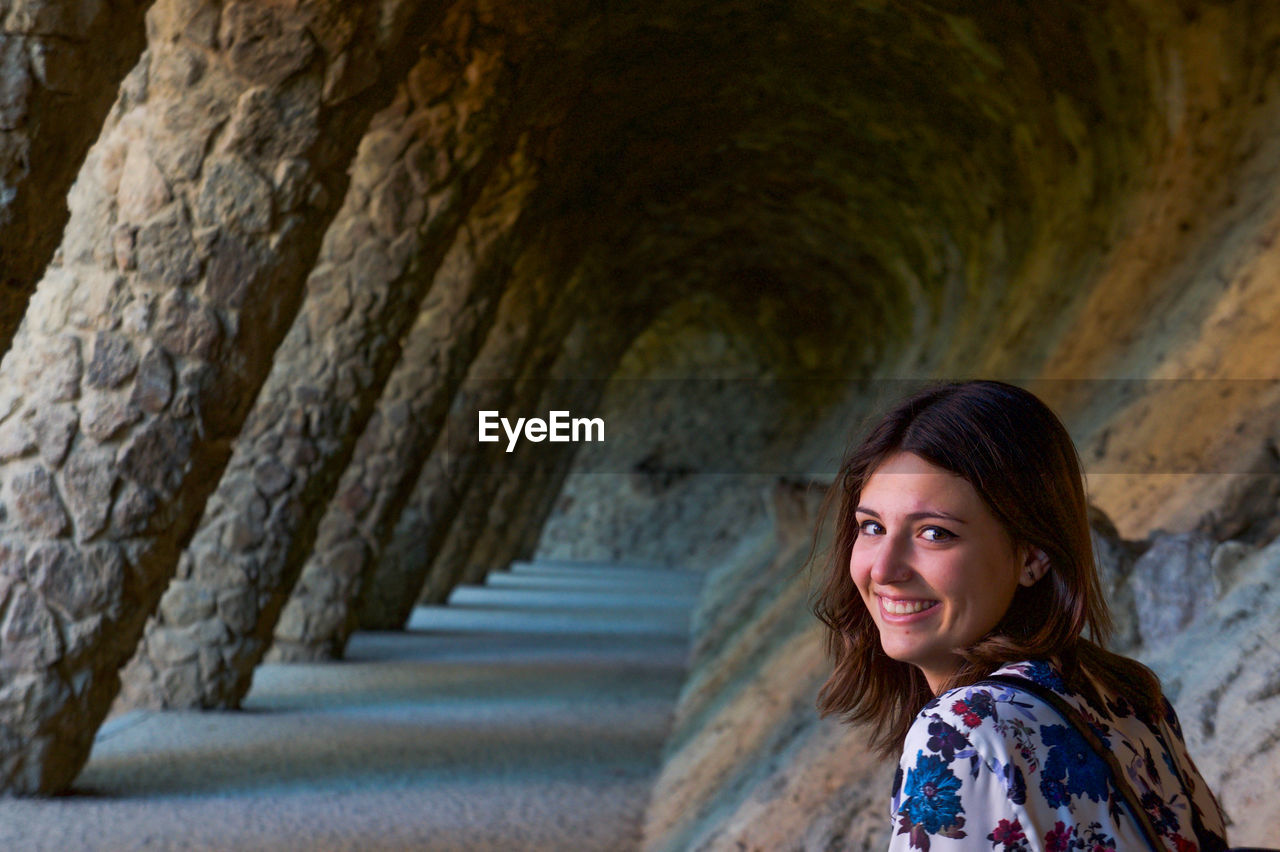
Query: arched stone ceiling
[902, 189]
[865, 189]
[824, 154]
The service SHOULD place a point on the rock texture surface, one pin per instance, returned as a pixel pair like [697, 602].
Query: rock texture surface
[147, 339]
[60, 65]
[311, 239]
[389, 246]
[411, 414]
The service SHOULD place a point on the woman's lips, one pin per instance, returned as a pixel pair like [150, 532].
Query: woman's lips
[905, 609]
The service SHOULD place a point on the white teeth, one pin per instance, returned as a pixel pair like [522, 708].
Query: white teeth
[906, 607]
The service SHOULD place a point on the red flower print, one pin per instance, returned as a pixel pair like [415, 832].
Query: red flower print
[963, 710]
[1059, 838]
[1007, 833]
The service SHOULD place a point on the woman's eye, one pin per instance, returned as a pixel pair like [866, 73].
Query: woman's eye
[935, 534]
[869, 528]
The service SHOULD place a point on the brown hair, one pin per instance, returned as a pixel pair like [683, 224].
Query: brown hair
[1018, 456]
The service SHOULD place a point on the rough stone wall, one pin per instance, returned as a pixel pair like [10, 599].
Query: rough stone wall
[1155, 338]
[516, 344]
[490, 531]
[747, 763]
[1223, 674]
[418, 171]
[60, 63]
[149, 335]
[1061, 192]
[411, 411]
[692, 414]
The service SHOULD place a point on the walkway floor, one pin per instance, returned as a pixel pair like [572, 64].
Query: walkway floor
[528, 714]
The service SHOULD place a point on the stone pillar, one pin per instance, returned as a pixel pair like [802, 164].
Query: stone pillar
[532, 514]
[518, 509]
[194, 221]
[479, 540]
[429, 550]
[519, 340]
[418, 171]
[61, 63]
[510, 502]
[454, 487]
[445, 337]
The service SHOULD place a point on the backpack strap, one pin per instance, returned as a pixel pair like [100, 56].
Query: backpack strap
[1073, 717]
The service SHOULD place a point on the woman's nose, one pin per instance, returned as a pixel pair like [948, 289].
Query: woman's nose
[890, 563]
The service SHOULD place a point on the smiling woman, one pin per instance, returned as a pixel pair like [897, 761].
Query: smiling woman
[957, 598]
[931, 588]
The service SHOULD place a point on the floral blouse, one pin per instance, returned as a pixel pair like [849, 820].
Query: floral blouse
[989, 767]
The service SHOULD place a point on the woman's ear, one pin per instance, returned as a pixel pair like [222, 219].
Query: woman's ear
[1035, 562]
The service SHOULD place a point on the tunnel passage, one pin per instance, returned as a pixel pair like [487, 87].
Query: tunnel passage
[310, 243]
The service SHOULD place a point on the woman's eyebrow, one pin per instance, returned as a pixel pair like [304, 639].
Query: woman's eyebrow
[915, 516]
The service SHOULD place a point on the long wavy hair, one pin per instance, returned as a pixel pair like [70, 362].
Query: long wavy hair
[1018, 456]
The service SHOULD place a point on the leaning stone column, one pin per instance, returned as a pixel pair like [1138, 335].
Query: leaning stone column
[453, 448]
[61, 63]
[193, 223]
[514, 506]
[509, 498]
[509, 514]
[451, 493]
[417, 173]
[486, 516]
[445, 337]
[452, 483]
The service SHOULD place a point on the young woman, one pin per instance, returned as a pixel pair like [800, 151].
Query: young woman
[963, 551]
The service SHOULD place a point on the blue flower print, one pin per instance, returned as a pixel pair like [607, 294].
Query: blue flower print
[998, 769]
[981, 703]
[933, 794]
[946, 740]
[1073, 763]
[1054, 791]
[1039, 671]
[1015, 783]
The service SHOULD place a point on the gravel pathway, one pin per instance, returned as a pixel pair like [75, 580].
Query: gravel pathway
[529, 714]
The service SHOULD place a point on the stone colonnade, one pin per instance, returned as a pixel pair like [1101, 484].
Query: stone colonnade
[239, 413]
[411, 414]
[309, 239]
[403, 245]
[194, 222]
[60, 63]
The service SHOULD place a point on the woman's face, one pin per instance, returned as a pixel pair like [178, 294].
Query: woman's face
[935, 567]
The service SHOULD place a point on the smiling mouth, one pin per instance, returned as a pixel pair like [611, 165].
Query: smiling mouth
[894, 607]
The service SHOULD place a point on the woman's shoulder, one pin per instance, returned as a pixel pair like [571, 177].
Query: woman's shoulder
[973, 758]
[1004, 728]
[1009, 764]
[990, 703]
[984, 725]
[1086, 694]
[998, 755]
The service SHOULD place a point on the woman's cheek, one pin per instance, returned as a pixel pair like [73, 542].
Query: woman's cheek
[858, 568]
